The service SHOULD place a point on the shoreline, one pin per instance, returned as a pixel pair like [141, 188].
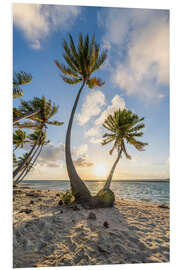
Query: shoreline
[46, 234]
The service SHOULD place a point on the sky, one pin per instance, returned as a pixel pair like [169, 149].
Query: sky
[136, 74]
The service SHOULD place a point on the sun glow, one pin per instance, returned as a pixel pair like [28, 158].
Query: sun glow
[100, 170]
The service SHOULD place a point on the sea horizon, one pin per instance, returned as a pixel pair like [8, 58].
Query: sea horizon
[102, 180]
[155, 191]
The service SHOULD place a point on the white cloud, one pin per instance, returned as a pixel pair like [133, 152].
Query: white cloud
[80, 150]
[92, 132]
[96, 131]
[95, 140]
[91, 107]
[83, 162]
[37, 20]
[140, 40]
[116, 103]
[51, 156]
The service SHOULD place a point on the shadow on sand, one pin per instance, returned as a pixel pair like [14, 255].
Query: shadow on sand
[65, 237]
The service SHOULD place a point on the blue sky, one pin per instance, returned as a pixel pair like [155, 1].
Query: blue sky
[136, 73]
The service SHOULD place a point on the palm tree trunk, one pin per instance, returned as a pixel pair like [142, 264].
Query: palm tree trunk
[26, 167]
[27, 170]
[109, 179]
[79, 189]
[19, 168]
[26, 115]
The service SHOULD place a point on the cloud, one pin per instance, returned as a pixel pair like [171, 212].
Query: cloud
[37, 20]
[80, 150]
[92, 132]
[91, 107]
[116, 103]
[95, 140]
[80, 156]
[83, 162]
[52, 156]
[139, 39]
[96, 131]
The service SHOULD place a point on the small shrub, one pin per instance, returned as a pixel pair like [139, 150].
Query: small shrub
[67, 197]
[106, 197]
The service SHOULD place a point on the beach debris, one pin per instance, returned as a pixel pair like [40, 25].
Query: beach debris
[163, 206]
[75, 208]
[27, 211]
[31, 202]
[106, 224]
[32, 194]
[91, 215]
[57, 194]
[60, 203]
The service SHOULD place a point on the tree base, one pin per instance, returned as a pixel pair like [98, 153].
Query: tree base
[104, 199]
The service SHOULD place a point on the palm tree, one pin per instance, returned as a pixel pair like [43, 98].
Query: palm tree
[19, 139]
[125, 127]
[82, 61]
[39, 121]
[20, 78]
[30, 164]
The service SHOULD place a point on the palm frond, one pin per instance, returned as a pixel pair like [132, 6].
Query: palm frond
[69, 80]
[55, 123]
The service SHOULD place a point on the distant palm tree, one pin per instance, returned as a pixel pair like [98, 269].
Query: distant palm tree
[30, 164]
[125, 127]
[82, 61]
[19, 138]
[40, 121]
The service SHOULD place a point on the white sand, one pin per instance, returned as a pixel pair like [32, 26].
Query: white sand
[138, 232]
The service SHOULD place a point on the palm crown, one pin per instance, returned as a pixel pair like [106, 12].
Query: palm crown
[81, 61]
[41, 119]
[19, 138]
[125, 126]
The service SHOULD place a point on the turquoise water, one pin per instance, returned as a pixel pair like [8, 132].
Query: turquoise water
[150, 191]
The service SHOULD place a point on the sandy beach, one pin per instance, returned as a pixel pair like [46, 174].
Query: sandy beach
[47, 234]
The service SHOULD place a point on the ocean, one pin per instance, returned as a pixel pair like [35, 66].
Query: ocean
[149, 191]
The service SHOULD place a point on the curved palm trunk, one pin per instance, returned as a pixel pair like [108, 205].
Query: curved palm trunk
[79, 189]
[19, 168]
[26, 115]
[26, 167]
[109, 179]
[27, 170]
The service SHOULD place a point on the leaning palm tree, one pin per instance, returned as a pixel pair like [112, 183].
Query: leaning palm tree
[30, 164]
[39, 121]
[81, 62]
[125, 127]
